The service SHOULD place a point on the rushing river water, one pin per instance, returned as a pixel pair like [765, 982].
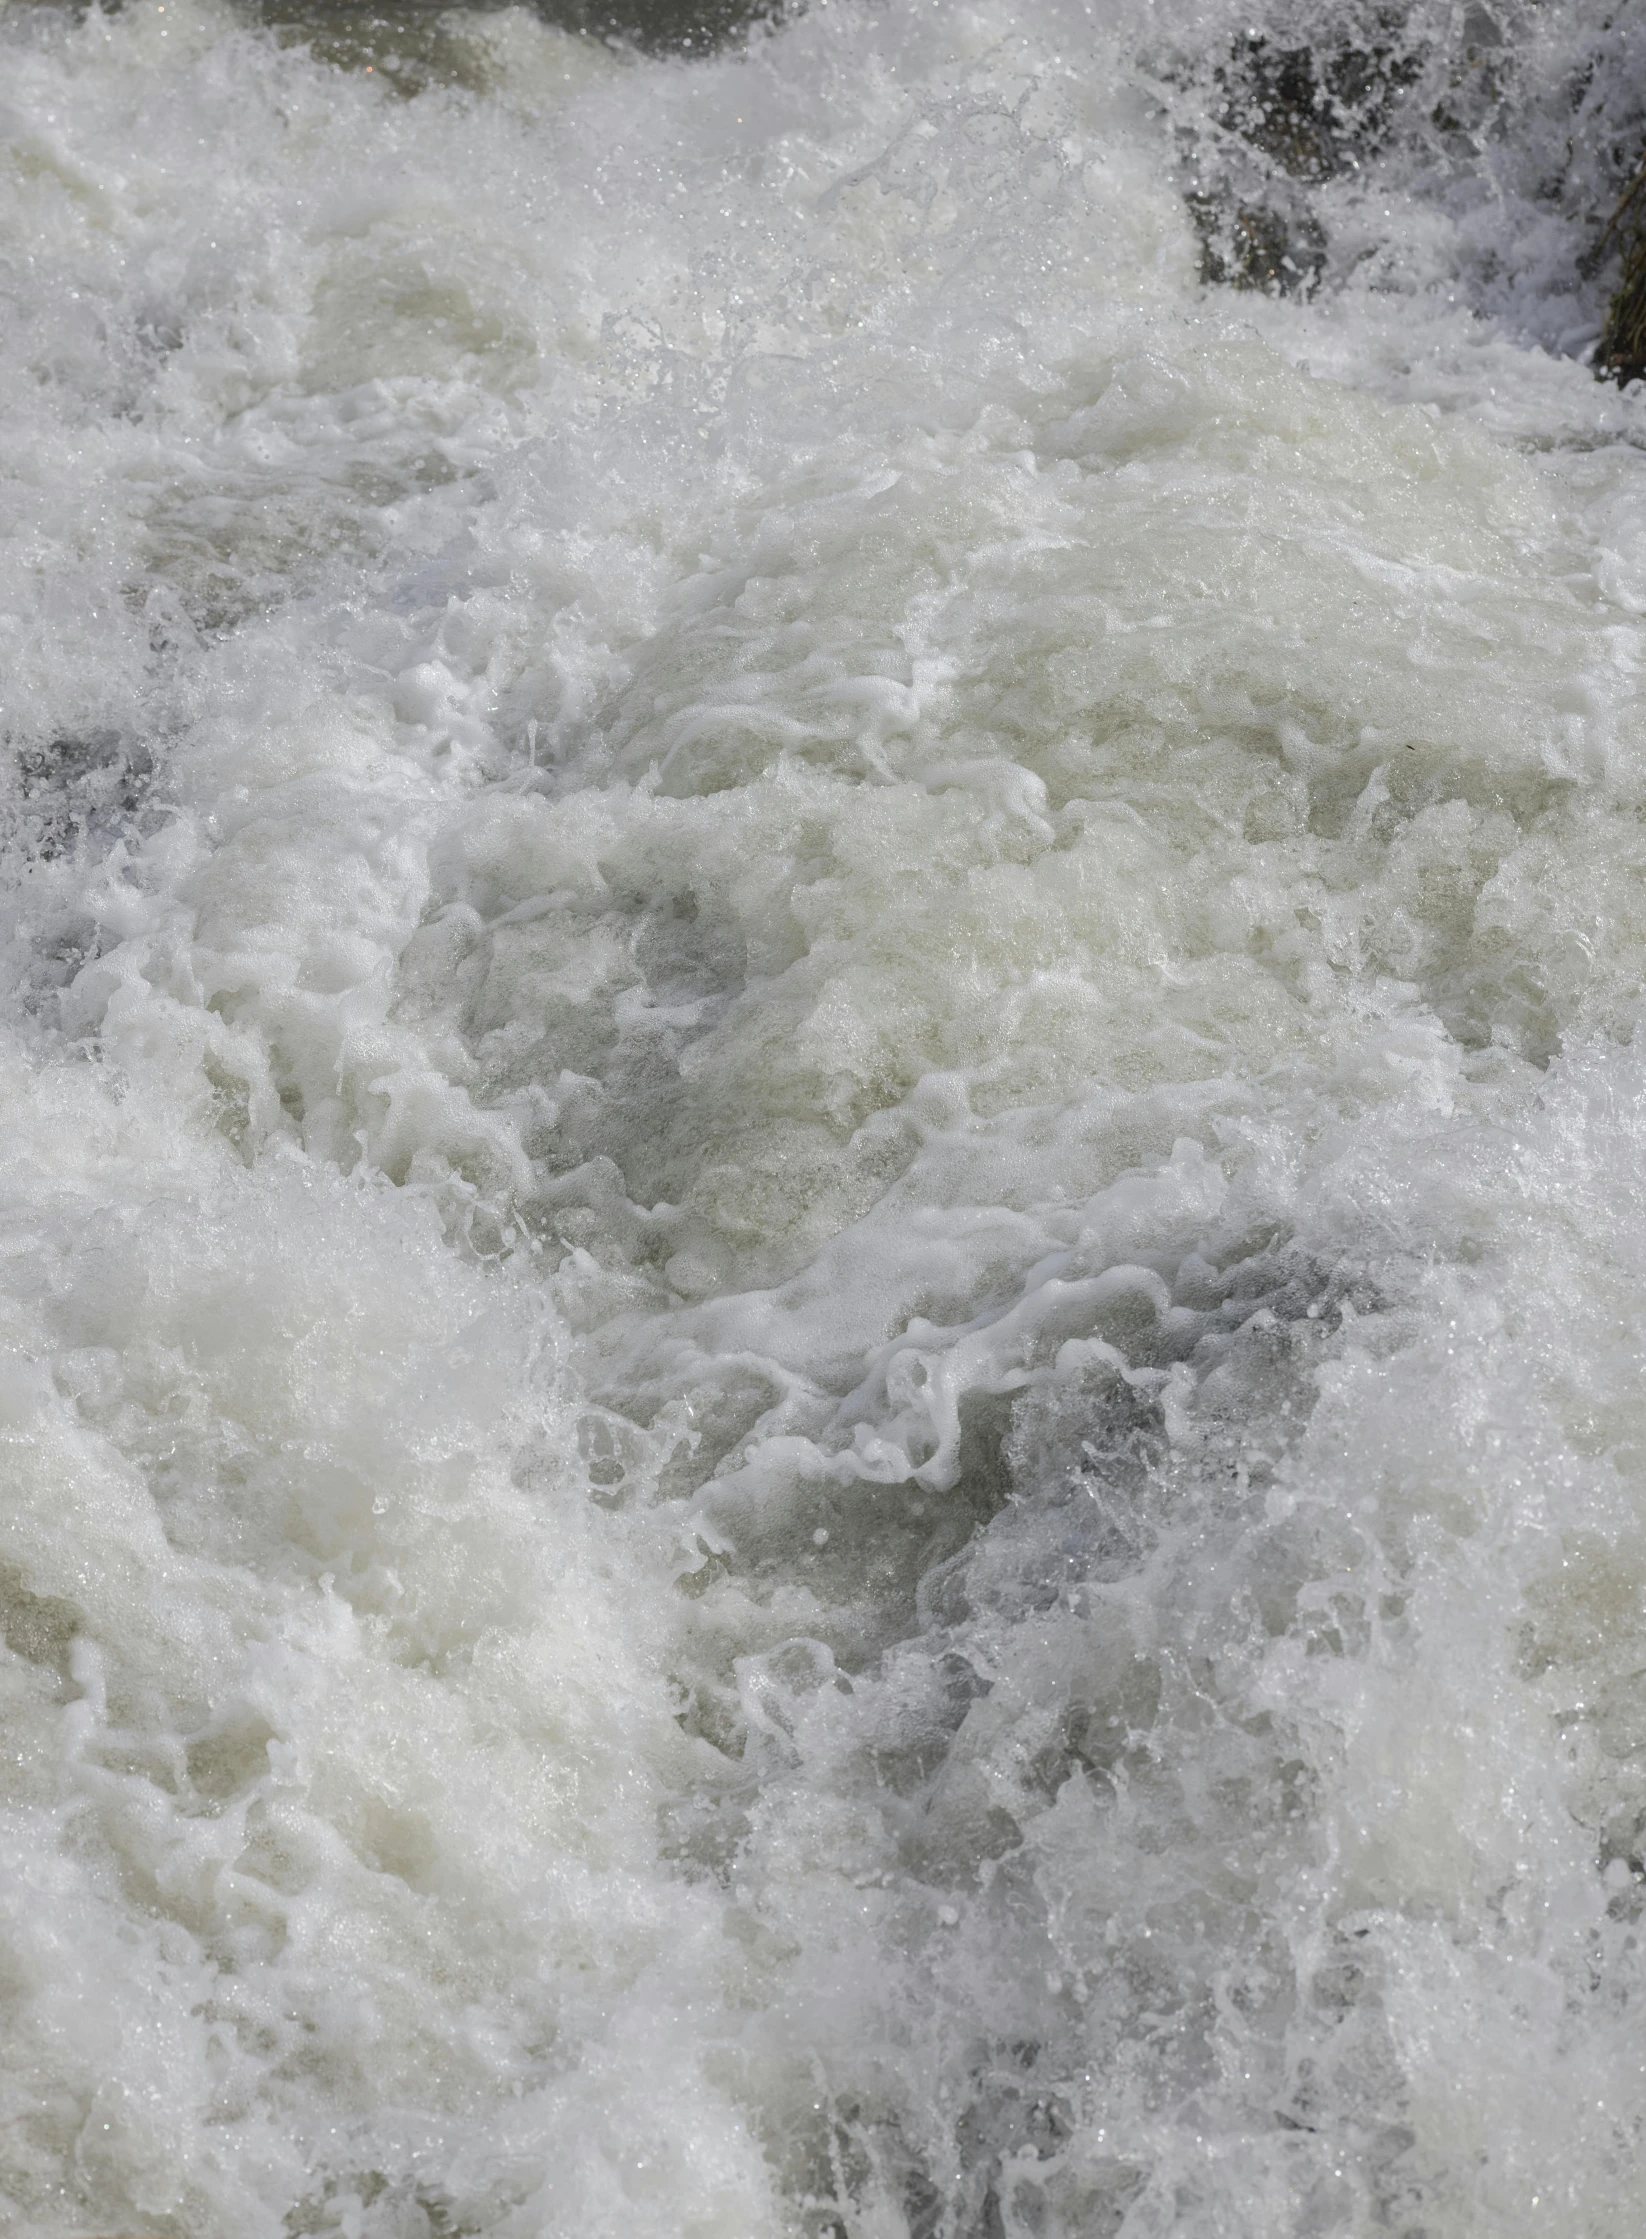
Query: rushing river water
[824, 1250]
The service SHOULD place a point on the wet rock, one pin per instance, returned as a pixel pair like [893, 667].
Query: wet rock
[1315, 114]
[1620, 354]
[1287, 119]
[1255, 245]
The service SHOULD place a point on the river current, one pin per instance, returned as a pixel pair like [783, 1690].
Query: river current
[822, 1251]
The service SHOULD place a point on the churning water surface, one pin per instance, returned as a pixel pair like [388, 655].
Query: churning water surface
[822, 1237]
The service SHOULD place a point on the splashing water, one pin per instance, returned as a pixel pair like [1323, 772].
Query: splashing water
[823, 1255]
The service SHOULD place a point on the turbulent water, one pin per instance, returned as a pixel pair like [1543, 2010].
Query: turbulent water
[823, 1243]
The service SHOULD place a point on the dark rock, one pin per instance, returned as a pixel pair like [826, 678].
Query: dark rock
[1620, 354]
[1286, 119]
[1316, 115]
[1254, 245]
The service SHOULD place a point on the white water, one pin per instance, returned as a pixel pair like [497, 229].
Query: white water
[823, 1245]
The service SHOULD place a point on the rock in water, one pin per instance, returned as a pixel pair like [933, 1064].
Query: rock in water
[1621, 353]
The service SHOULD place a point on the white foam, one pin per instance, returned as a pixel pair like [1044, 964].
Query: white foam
[820, 1247]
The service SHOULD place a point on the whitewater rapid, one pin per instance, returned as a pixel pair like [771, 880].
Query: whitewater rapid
[821, 1235]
